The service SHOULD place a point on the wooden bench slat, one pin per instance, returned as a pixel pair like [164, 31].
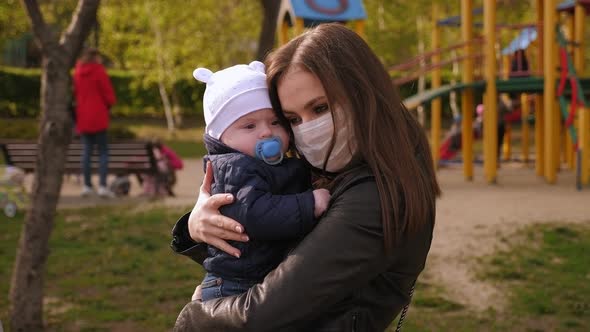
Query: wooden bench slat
[141, 152]
[21, 146]
[132, 157]
[112, 145]
[112, 165]
[122, 159]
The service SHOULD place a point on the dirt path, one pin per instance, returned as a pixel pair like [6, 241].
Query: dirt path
[186, 190]
[472, 217]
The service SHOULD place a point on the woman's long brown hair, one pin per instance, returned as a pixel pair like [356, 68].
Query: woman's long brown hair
[388, 137]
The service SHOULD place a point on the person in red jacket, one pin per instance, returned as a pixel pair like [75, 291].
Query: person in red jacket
[94, 97]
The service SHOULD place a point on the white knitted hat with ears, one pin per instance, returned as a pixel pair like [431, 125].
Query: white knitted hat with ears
[232, 93]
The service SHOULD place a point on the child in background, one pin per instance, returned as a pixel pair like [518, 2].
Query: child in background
[247, 145]
[168, 162]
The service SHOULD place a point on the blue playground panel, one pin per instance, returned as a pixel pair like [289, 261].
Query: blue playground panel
[328, 10]
[566, 5]
[569, 5]
[522, 41]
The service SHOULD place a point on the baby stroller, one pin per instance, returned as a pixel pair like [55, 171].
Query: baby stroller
[13, 196]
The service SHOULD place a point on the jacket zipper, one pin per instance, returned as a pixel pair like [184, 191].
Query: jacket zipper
[354, 323]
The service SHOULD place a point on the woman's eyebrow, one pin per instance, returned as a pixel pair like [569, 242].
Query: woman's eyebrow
[310, 103]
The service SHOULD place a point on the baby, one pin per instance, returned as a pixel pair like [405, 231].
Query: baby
[247, 145]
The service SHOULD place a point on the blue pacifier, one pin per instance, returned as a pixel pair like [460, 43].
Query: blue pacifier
[269, 150]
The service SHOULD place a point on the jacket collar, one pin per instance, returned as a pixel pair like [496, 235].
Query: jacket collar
[215, 146]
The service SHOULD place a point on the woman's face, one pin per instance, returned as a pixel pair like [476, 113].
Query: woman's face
[302, 96]
[305, 105]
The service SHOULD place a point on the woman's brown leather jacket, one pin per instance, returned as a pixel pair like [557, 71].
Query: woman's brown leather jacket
[337, 279]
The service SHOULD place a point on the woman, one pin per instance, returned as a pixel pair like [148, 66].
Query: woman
[94, 98]
[354, 271]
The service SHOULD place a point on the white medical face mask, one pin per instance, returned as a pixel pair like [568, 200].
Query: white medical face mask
[313, 140]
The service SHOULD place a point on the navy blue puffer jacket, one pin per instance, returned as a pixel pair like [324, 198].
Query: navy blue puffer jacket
[275, 205]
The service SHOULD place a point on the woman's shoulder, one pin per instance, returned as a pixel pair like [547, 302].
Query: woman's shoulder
[356, 181]
[355, 198]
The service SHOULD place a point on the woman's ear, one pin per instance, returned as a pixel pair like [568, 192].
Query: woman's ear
[202, 74]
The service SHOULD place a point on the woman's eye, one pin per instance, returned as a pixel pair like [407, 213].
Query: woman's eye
[294, 121]
[320, 109]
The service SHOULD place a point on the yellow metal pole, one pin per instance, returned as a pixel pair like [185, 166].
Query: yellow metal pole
[283, 33]
[579, 19]
[506, 146]
[359, 27]
[539, 107]
[549, 64]
[569, 30]
[524, 101]
[568, 149]
[436, 105]
[505, 66]
[583, 113]
[299, 26]
[490, 120]
[539, 135]
[467, 100]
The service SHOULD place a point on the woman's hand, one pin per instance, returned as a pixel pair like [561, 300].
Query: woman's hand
[206, 224]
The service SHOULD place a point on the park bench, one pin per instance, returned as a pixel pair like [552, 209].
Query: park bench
[131, 157]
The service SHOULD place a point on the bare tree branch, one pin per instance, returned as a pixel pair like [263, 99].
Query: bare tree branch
[83, 20]
[40, 29]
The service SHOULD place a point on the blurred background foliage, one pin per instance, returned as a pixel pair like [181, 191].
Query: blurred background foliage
[151, 42]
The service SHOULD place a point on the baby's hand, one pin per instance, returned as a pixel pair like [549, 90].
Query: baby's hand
[321, 198]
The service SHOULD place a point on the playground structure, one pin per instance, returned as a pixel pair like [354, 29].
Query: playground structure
[539, 87]
[301, 14]
[542, 40]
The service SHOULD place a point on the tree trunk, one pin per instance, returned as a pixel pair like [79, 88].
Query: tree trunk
[55, 131]
[167, 107]
[159, 47]
[176, 109]
[26, 292]
[266, 40]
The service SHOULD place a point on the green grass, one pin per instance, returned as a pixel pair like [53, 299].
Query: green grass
[187, 149]
[112, 268]
[108, 268]
[432, 310]
[546, 275]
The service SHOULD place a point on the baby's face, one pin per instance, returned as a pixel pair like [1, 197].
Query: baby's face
[243, 134]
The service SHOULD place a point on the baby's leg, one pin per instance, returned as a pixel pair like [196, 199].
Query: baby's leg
[214, 287]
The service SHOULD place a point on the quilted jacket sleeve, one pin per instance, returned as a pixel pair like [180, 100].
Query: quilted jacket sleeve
[184, 245]
[266, 216]
[343, 251]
